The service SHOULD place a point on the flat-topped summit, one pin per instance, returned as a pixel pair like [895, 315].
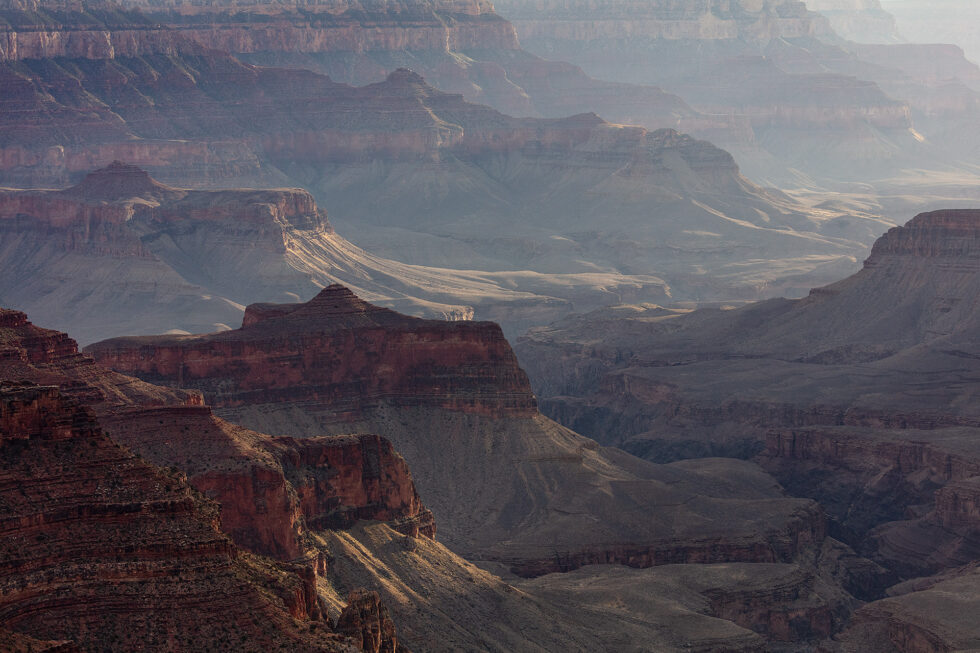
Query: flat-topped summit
[348, 353]
[121, 181]
[946, 233]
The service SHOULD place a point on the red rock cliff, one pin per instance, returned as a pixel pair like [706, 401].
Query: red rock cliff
[342, 352]
[272, 490]
[99, 547]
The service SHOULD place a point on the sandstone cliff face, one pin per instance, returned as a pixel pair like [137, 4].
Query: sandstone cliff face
[273, 491]
[105, 550]
[341, 343]
[454, 401]
[365, 620]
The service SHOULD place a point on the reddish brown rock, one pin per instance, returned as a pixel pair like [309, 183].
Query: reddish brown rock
[365, 620]
[455, 402]
[345, 352]
[272, 490]
[105, 550]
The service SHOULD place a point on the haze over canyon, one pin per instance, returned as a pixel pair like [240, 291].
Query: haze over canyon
[450, 325]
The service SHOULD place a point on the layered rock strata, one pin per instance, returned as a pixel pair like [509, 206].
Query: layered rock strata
[120, 253]
[333, 481]
[437, 170]
[859, 395]
[815, 110]
[453, 400]
[272, 490]
[105, 550]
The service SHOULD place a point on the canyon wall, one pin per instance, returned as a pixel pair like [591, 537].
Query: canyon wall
[273, 491]
[96, 32]
[103, 549]
[454, 401]
[854, 395]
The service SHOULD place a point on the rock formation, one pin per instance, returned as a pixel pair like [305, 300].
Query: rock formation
[99, 503]
[105, 550]
[366, 621]
[440, 601]
[861, 395]
[120, 253]
[812, 110]
[461, 185]
[273, 491]
[453, 400]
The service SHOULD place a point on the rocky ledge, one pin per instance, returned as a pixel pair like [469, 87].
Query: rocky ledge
[103, 549]
[273, 491]
[339, 350]
[454, 401]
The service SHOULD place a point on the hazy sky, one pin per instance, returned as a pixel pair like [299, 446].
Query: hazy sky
[939, 21]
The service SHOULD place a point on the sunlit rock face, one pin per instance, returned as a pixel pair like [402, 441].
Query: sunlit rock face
[454, 401]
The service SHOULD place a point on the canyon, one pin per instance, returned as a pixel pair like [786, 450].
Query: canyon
[452, 399]
[120, 253]
[274, 438]
[312, 503]
[422, 176]
[861, 396]
[818, 112]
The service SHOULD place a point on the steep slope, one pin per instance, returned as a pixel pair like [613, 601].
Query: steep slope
[862, 395]
[273, 491]
[440, 601]
[120, 253]
[452, 399]
[447, 183]
[103, 549]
